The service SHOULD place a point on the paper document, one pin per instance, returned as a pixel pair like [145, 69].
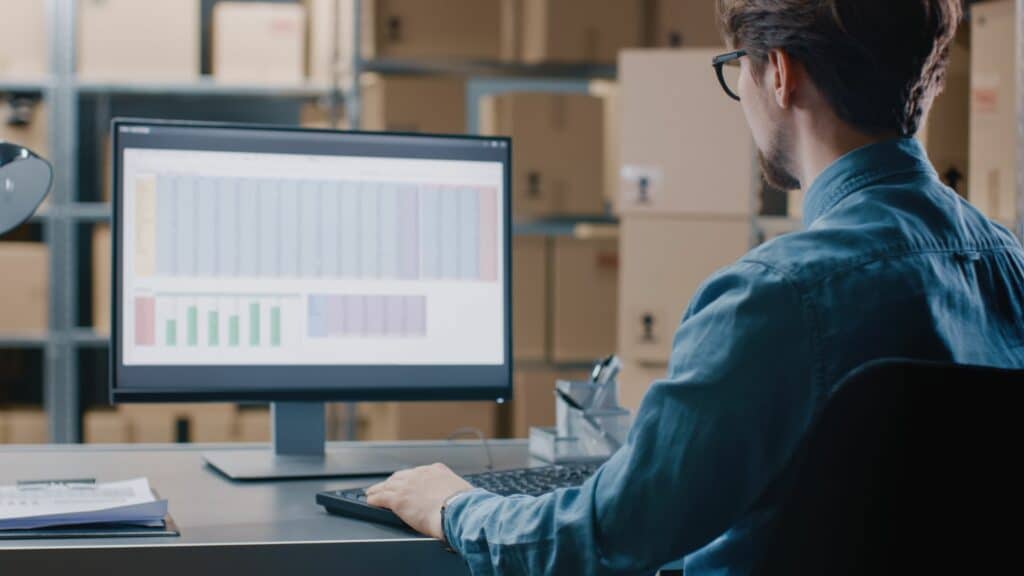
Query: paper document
[31, 506]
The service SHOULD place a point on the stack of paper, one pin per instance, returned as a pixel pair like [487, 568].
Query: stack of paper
[44, 505]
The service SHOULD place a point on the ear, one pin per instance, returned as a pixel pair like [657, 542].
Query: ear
[783, 77]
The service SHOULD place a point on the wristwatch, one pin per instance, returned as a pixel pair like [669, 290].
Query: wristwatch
[444, 507]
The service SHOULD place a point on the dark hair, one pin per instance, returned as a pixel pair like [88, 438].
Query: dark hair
[879, 63]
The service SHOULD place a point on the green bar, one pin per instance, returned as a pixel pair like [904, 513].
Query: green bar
[193, 326]
[254, 324]
[172, 332]
[214, 335]
[233, 329]
[275, 326]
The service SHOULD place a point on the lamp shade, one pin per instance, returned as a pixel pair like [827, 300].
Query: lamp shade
[25, 180]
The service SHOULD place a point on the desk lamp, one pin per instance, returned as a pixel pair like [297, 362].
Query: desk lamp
[25, 180]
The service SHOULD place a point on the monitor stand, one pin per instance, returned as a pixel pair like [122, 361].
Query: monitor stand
[298, 439]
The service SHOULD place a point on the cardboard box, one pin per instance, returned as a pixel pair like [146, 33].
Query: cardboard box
[253, 425]
[533, 399]
[101, 275]
[424, 420]
[635, 379]
[25, 291]
[685, 147]
[795, 204]
[105, 426]
[586, 296]
[316, 115]
[664, 261]
[24, 426]
[413, 104]
[330, 39]
[572, 31]
[259, 42]
[557, 152]
[464, 29]
[530, 297]
[24, 54]
[610, 94]
[166, 423]
[993, 124]
[685, 24]
[945, 133]
[138, 40]
[25, 122]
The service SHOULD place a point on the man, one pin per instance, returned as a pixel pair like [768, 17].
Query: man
[892, 263]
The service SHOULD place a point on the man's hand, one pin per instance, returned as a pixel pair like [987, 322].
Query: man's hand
[416, 496]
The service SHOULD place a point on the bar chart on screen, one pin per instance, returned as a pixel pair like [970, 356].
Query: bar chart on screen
[215, 320]
[210, 227]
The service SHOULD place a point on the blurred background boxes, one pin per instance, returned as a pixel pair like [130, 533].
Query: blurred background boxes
[684, 23]
[25, 121]
[413, 104]
[584, 314]
[944, 132]
[425, 420]
[466, 29]
[24, 296]
[993, 110]
[259, 42]
[533, 397]
[24, 54]
[664, 262]
[330, 38]
[101, 277]
[572, 31]
[696, 158]
[558, 149]
[138, 40]
[530, 297]
[635, 379]
[23, 425]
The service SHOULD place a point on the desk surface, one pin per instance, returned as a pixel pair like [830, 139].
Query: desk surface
[243, 527]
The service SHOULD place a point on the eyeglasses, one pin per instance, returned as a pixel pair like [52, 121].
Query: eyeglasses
[727, 66]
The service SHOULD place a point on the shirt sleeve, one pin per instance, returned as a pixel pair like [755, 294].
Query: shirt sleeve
[705, 443]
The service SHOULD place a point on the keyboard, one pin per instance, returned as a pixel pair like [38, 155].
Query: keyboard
[528, 481]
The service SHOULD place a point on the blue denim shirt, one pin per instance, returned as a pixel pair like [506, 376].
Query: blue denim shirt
[891, 263]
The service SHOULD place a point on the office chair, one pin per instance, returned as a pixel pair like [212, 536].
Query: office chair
[910, 467]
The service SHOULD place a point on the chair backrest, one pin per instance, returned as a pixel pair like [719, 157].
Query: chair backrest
[910, 465]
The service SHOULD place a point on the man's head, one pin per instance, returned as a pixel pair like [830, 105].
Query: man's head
[867, 67]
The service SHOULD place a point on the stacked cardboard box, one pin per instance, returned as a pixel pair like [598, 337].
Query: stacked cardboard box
[413, 104]
[685, 24]
[558, 147]
[945, 131]
[992, 186]
[24, 294]
[687, 179]
[23, 40]
[330, 41]
[101, 276]
[424, 420]
[24, 122]
[259, 42]
[462, 29]
[137, 40]
[23, 426]
[571, 31]
[533, 397]
[166, 423]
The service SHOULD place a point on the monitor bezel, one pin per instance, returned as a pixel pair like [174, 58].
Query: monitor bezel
[263, 383]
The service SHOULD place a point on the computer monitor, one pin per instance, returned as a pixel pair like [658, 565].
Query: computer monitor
[270, 264]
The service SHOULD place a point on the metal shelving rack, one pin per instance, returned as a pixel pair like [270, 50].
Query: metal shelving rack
[62, 89]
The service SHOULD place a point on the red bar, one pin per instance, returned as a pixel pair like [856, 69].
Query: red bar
[145, 321]
[488, 235]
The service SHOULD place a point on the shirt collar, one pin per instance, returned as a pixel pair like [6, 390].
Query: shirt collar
[859, 169]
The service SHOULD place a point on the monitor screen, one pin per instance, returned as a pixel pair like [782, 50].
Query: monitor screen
[265, 263]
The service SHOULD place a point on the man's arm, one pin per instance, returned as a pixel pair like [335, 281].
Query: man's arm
[705, 443]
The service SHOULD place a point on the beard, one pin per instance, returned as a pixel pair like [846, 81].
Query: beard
[775, 165]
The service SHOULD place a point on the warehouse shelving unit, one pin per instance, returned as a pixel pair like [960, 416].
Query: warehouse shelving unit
[60, 220]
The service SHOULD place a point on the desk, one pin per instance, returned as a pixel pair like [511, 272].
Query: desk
[228, 528]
